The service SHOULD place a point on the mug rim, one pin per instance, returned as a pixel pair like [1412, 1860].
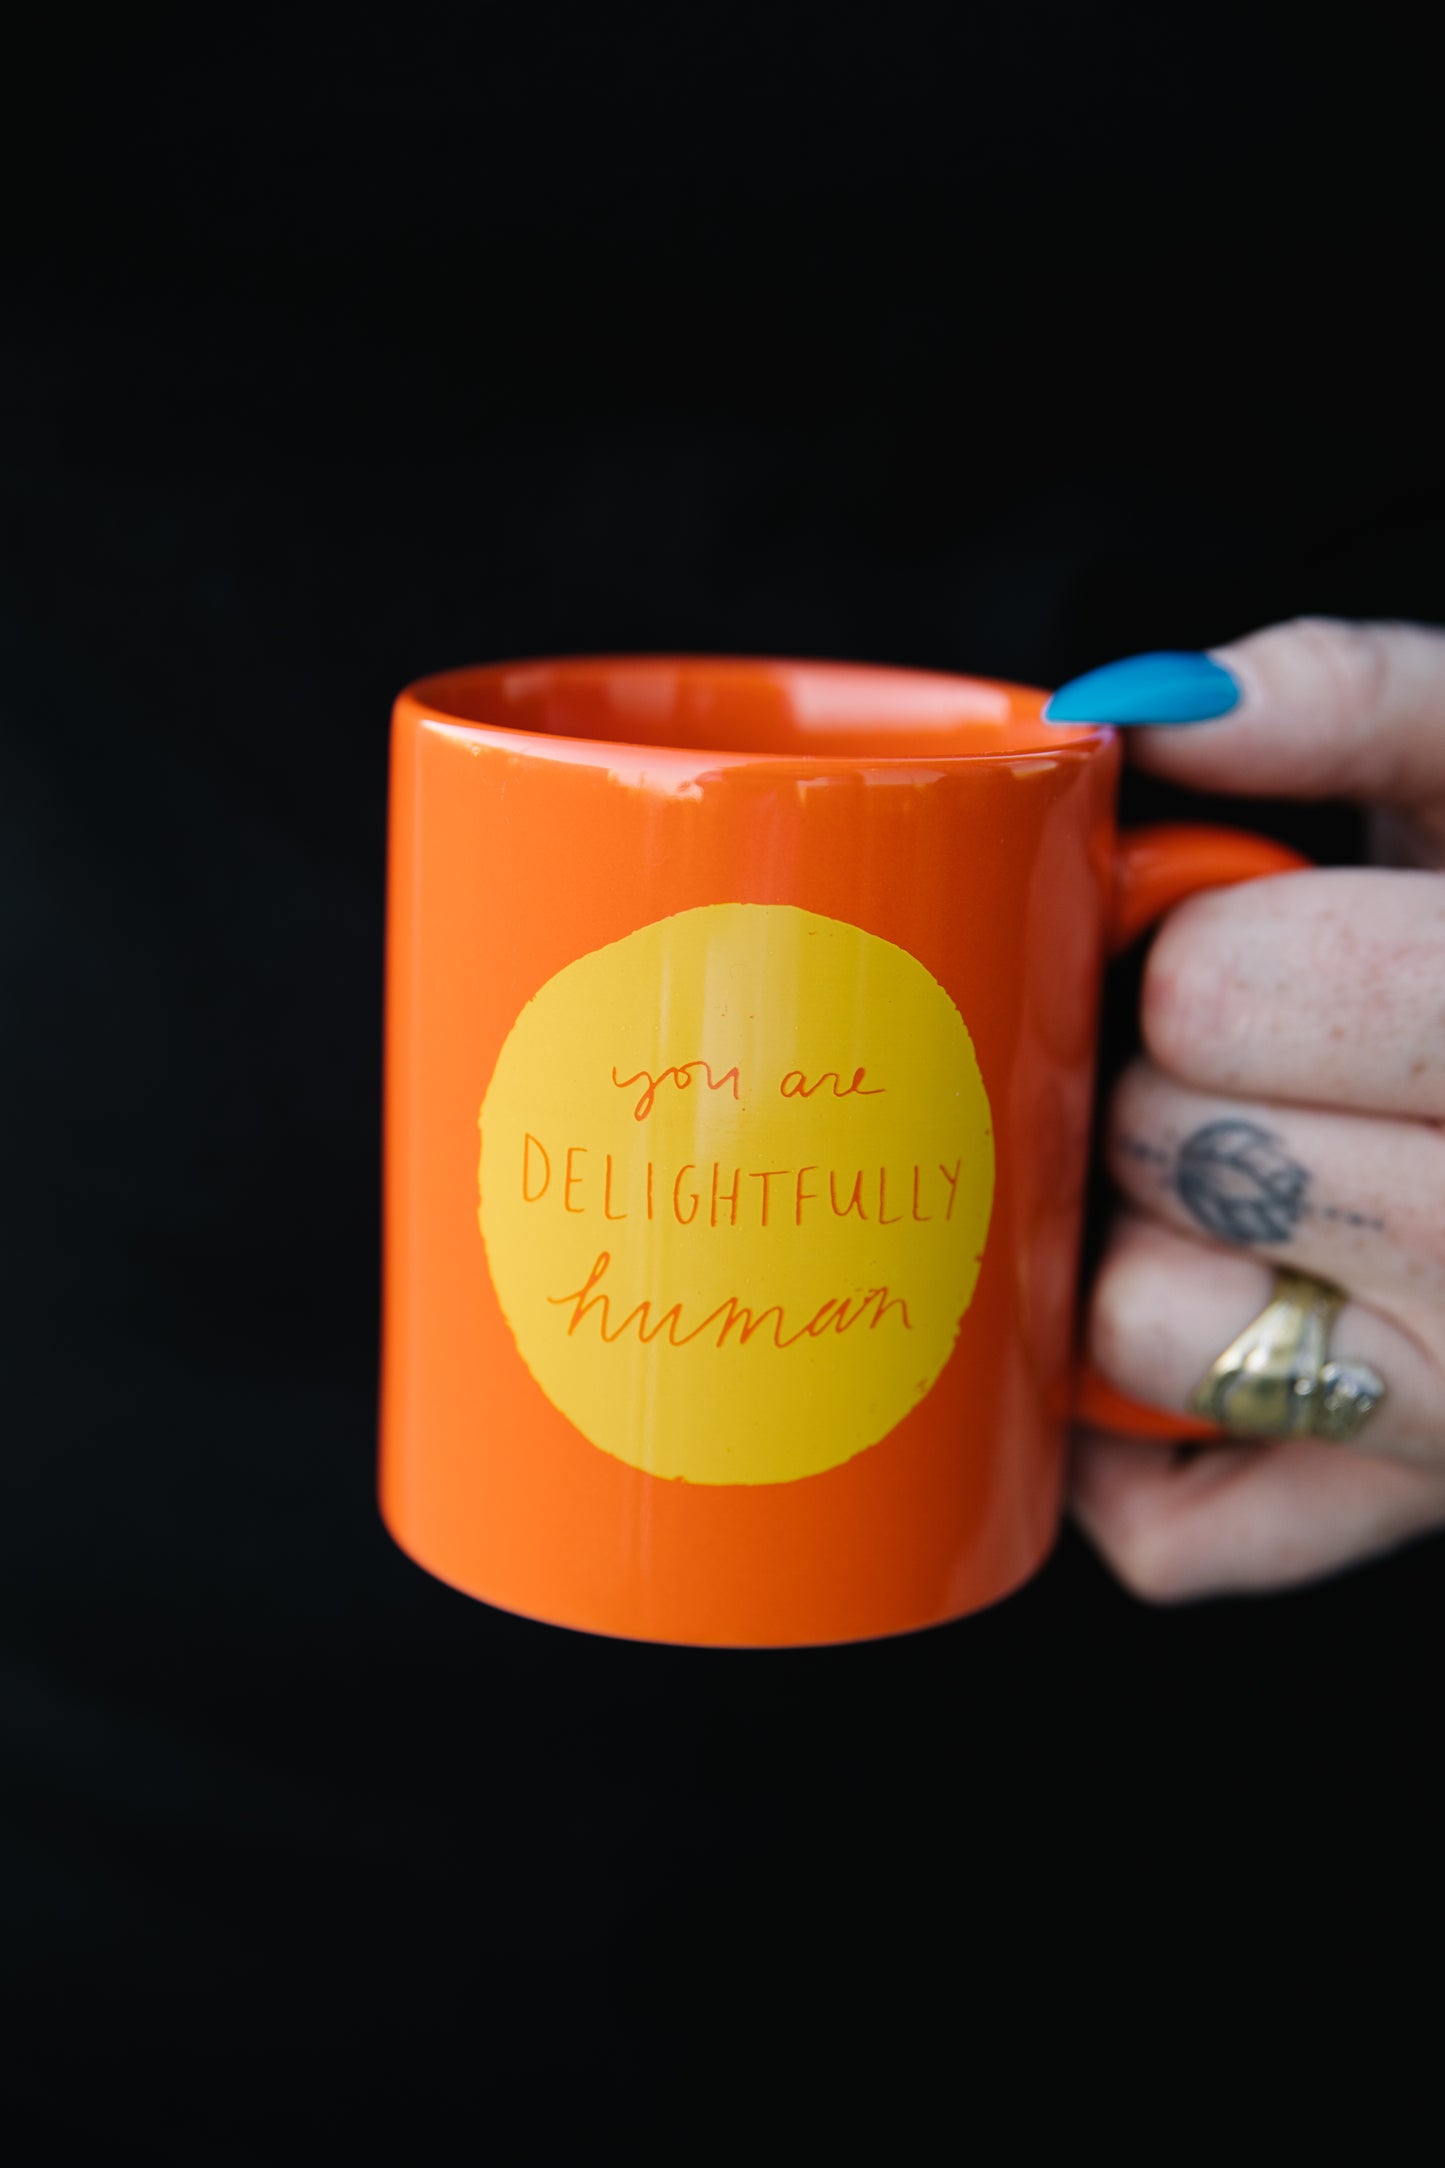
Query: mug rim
[442, 699]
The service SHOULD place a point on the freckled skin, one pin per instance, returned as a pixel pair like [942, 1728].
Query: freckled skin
[1282, 996]
[1289, 1111]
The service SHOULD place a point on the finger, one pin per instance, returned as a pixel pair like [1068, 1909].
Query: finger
[1325, 988]
[1163, 1308]
[1316, 708]
[1238, 1520]
[1350, 1197]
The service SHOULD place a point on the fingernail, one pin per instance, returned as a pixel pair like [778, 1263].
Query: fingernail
[1163, 688]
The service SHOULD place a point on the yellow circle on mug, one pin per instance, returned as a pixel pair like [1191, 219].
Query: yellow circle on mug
[736, 1176]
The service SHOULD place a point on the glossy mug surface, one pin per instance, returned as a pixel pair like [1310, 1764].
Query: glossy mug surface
[741, 1023]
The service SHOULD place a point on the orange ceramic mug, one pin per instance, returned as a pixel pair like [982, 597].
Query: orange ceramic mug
[741, 1028]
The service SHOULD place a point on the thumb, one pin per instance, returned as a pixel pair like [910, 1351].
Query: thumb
[1317, 708]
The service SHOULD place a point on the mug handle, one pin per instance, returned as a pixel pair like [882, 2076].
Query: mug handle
[1155, 868]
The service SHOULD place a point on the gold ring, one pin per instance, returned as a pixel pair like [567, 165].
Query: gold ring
[1277, 1380]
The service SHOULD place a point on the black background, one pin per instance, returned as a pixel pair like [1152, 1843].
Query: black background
[339, 349]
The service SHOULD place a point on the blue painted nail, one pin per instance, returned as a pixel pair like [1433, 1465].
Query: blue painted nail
[1165, 688]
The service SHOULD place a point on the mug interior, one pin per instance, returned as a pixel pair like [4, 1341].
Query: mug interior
[816, 710]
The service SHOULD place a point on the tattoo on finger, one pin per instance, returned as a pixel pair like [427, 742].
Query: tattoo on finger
[1240, 1184]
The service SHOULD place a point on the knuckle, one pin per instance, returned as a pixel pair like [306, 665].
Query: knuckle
[1150, 1563]
[1188, 1007]
[1109, 1312]
[1124, 1319]
[1350, 667]
[1353, 658]
[1140, 1547]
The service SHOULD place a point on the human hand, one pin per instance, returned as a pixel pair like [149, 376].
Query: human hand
[1306, 1015]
